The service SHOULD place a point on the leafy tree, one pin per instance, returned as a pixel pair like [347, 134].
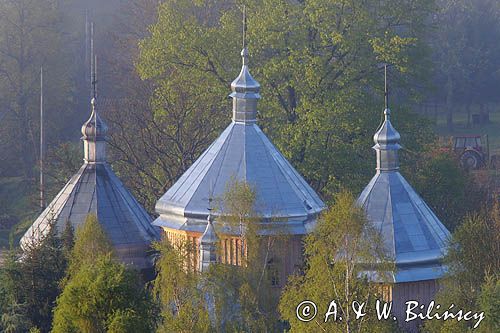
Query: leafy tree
[110, 296]
[31, 285]
[91, 243]
[67, 240]
[320, 80]
[341, 241]
[450, 191]
[472, 281]
[103, 296]
[464, 55]
[244, 296]
[489, 302]
[13, 317]
[183, 307]
[30, 36]
[227, 298]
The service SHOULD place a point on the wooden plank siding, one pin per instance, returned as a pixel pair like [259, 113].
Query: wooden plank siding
[420, 291]
[286, 258]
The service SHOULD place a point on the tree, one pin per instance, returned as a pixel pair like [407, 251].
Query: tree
[227, 298]
[244, 296]
[341, 241]
[13, 318]
[183, 307]
[110, 296]
[319, 81]
[464, 54]
[472, 279]
[450, 191]
[91, 243]
[30, 36]
[31, 285]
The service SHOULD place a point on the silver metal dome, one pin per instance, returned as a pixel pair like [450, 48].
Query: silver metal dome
[96, 189]
[285, 202]
[413, 236]
[94, 128]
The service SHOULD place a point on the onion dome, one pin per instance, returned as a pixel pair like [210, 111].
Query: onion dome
[387, 144]
[209, 236]
[95, 128]
[387, 137]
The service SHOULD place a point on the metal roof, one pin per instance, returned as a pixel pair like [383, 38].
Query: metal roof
[413, 236]
[96, 189]
[244, 153]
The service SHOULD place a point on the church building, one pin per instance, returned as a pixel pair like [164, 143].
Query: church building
[413, 236]
[285, 203]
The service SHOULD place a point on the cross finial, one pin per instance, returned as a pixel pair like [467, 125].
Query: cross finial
[244, 26]
[386, 88]
[94, 79]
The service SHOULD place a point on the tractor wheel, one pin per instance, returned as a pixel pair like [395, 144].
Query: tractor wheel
[470, 160]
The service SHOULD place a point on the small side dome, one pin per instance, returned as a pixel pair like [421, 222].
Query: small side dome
[209, 236]
[94, 128]
[387, 135]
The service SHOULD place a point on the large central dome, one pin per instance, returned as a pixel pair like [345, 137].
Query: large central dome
[244, 153]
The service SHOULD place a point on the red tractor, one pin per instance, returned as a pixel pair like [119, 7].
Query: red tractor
[472, 153]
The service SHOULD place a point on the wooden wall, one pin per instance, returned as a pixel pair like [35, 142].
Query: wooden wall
[421, 291]
[285, 259]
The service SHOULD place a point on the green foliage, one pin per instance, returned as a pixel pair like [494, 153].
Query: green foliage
[13, 317]
[67, 240]
[472, 281]
[320, 84]
[176, 287]
[103, 296]
[91, 243]
[227, 298]
[244, 298]
[341, 241]
[450, 191]
[30, 286]
[489, 302]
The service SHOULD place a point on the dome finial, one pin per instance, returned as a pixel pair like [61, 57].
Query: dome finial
[94, 130]
[386, 88]
[245, 89]
[208, 241]
[244, 51]
[244, 26]
[387, 137]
